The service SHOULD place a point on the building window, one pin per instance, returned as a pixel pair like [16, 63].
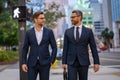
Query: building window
[89, 18]
[84, 18]
[84, 22]
[90, 22]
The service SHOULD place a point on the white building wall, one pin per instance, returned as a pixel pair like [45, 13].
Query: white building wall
[107, 17]
[116, 34]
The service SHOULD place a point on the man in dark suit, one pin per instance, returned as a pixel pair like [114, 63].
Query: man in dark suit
[36, 44]
[75, 51]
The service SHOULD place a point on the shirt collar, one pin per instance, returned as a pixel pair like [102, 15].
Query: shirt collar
[80, 26]
[40, 30]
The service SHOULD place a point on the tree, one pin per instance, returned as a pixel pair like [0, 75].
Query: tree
[107, 35]
[8, 26]
[52, 14]
[8, 31]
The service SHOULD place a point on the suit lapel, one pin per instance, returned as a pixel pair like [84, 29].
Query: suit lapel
[43, 35]
[34, 35]
[72, 33]
[82, 33]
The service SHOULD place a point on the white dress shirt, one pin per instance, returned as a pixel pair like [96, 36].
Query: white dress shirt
[39, 35]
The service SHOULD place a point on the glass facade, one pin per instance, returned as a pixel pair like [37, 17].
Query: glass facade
[115, 10]
[115, 6]
[88, 18]
[83, 5]
[97, 16]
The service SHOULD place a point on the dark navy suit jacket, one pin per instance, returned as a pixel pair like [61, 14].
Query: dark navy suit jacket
[73, 49]
[34, 50]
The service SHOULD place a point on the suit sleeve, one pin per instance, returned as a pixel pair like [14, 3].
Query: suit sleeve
[25, 49]
[93, 48]
[65, 48]
[53, 46]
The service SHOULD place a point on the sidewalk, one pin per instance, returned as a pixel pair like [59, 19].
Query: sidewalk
[105, 73]
[2, 67]
[115, 49]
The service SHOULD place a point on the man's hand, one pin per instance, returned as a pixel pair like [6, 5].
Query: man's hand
[96, 67]
[64, 66]
[24, 67]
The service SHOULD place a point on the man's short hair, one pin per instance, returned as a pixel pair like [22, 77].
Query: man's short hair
[78, 12]
[36, 14]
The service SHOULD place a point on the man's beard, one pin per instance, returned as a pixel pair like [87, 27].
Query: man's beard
[40, 25]
[74, 22]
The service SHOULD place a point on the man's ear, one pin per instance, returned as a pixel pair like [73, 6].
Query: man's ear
[80, 18]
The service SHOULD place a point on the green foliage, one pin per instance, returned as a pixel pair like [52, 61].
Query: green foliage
[8, 56]
[10, 4]
[8, 26]
[4, 57]
[52, 14]
[107, 34]
[8, 31]
[61, 46]
[1, 9]
[111, 34]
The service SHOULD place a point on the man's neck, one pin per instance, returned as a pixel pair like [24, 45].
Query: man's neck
[38, 28]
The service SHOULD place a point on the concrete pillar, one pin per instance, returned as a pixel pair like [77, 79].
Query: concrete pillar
[116, 34]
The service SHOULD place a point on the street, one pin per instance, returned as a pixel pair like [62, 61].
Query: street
[109, 59]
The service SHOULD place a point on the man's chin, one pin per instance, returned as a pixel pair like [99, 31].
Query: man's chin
[73, 24]
[40, 25]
